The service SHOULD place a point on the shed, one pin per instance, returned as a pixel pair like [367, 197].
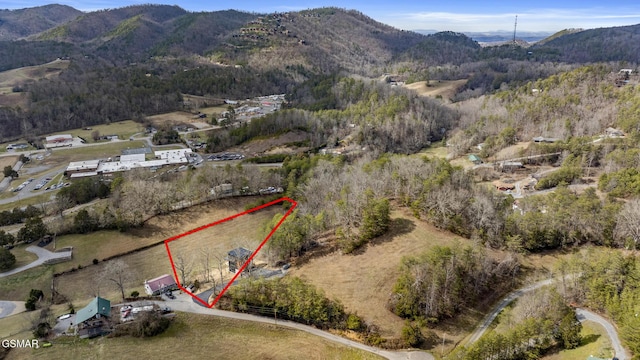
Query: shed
[237, 257]
[97, 308]
[510, 165]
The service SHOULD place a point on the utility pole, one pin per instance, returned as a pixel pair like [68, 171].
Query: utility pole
[514, 30]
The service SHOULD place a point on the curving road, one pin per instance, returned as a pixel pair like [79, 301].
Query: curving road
[620, 352]
[184, 303]
[582, 315]
[43, 255]
[484, 325]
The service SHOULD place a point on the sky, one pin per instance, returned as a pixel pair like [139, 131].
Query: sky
[454, 15]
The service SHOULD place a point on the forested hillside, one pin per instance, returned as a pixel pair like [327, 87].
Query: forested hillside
[17, 24]
[594, 45]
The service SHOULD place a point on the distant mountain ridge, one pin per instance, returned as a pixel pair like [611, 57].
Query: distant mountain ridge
[21, 23]
[498, 36]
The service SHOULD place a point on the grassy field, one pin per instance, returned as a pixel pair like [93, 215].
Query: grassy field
[124, 129]
[18, 324]
[445, 89]
[35, 200]
[80, 285]
[363, 282]
[594, 342]
[23, 257]
[23, 75]
[103, 150]
[8, 161]
[244, 231]
[201, 336]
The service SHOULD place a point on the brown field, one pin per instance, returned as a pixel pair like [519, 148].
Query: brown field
[274, 145]
[177, 117]
[23, 75]
[201, 336]
[124, 129]
[8, 161]
[444, 88]
[363, 282]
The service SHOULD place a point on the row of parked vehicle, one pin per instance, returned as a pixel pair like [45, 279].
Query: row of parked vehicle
[23, 185]
[226, 156]
[42, 183]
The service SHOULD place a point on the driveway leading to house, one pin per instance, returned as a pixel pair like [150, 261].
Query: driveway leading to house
[8, 308]
[584, 314]
[43, 256]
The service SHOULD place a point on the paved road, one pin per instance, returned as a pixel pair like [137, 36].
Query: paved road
[480, 330]
[582, 314]
[185, 304]
[43, 255]
[620, 352]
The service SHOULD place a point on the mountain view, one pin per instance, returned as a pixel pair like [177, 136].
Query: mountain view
[315, 183]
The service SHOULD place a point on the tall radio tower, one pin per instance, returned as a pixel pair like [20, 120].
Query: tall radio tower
[514, 29]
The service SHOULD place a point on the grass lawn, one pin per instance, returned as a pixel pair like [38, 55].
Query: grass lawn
[8, 161]
[201, 336]
[594, 342]
[18, 326]
[34, 200]
[147, 264]
[81, 285]
[23, 257]
[124, 129]
[105, 149]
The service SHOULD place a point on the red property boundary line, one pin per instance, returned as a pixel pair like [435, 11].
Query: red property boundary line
[239, 272]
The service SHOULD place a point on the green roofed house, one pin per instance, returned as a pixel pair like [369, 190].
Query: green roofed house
[93, 319]
[475, 159]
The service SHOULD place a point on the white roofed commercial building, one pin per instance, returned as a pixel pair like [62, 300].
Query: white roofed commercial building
[82, 166]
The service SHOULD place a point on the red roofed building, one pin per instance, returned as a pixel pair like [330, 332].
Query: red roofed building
[160, 284]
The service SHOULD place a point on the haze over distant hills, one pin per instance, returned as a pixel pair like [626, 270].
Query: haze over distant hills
[500, 35]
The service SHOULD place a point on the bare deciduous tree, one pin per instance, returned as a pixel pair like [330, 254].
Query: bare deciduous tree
[628, 224]
[118, 272]
[184, 265]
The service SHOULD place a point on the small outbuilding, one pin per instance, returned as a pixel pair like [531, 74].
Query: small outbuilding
[475, 159]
